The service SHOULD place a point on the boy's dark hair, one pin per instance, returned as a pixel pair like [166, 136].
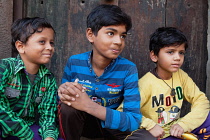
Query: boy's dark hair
[23, 28]
[165, 37]
[106, 15]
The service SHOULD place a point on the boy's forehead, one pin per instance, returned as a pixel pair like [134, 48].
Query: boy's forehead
[44, 32]
[174, 46]
[121, 28]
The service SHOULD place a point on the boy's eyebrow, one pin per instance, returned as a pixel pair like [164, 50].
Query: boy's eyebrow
[114, 30]
[172, 49]
[43, 37]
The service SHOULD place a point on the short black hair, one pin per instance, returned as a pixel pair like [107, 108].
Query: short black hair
[165, 37]
[23, 28]
[106, 15]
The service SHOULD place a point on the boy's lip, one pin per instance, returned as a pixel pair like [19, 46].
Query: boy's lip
[115, 51]
[47, 54]
[176, 65]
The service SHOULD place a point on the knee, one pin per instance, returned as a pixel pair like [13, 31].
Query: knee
[67, 110]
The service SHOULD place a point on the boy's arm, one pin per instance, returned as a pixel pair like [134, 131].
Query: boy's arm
[199, 105]
[48, 111]
[128, 120]
[10, 123]
[130, 117]
[151, 126]
[147, 123]
[157, 131]
[112, 119]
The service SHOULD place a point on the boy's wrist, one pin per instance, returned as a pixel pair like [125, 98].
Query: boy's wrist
[183, 126]
[90, 107]
[30, 136]
[148, 124]
[49, 138]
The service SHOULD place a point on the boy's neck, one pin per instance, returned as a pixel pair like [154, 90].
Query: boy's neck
[160, 75]
[31, 68]
[99, 65]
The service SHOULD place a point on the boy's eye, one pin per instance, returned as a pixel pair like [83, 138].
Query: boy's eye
[52, 43]
[123, 36]
[110, 33]
[182, 53]
[170, 52]
[42, 42]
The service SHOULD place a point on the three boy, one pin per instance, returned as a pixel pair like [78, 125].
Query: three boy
[105, 80]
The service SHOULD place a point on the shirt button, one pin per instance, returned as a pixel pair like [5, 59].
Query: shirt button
[96, 88]
[97, 80]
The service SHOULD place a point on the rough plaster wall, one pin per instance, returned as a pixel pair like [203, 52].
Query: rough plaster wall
[208, 63]
[6, 12]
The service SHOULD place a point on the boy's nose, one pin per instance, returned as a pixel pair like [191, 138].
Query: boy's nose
[118, 41]
[49, 46]
[177, 57]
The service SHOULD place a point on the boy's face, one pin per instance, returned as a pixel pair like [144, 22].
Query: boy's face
[169, 59]
[109, 42]
[39, 48]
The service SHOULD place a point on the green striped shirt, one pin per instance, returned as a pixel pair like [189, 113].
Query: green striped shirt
[21, 100]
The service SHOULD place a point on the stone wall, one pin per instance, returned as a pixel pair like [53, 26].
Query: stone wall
[6, 18]
[208, 63]
[7, 15]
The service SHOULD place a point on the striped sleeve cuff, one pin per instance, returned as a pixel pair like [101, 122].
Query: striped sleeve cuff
[25, 134]
[50, 133]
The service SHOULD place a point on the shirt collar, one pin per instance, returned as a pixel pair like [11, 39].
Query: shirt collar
[19, 65]
[90, 65]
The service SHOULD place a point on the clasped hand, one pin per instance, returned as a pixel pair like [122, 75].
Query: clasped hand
[73, 94]
[176, 130]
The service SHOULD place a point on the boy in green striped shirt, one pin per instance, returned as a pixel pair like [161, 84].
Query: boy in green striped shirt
[27, 88]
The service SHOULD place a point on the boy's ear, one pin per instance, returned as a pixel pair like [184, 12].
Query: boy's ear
[19, 46]
[89, 35]
[153, 56]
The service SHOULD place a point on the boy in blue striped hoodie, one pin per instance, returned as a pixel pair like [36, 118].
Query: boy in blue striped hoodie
[103, 81]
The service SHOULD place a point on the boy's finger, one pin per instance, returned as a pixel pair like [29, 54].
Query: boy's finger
[73, 91]
[64, 97]
[61, 87]
[67, 103]
[76, 80]
[73, 85]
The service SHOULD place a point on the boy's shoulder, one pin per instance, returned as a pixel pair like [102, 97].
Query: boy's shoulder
[150, 78]
[9, 61]
[181, 74]
[81, 56]
[122, 60]
[10, 65]
[43, 70]
[86, 56]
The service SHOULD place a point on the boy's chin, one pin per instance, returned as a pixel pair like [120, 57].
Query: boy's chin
[45, 62]
[173, 71]
[114, 56]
